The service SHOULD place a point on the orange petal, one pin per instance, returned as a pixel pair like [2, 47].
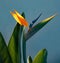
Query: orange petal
[15, 17]
[21, 19]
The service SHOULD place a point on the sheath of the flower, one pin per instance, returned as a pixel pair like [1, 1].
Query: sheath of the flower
[19, 18]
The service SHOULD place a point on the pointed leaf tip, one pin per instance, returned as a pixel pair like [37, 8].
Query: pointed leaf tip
[4, 53]
[29, 59]
[41, 57]
[13, 44]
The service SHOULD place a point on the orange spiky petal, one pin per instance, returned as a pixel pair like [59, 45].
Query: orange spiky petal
[21, 19]
[15, 17]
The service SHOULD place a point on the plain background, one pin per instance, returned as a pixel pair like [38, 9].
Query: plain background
[48, 37]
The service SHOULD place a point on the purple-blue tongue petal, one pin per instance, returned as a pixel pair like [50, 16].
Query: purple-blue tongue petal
[35, 20]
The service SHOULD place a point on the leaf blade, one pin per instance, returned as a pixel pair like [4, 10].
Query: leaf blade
[4, 53]
[29, 59]
[13, 44]
[41, 57]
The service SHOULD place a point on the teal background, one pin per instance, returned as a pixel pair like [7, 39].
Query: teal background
[48, 37]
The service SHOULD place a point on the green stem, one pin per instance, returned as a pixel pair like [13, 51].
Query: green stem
[19, 45]
[24, 49]
[24, 52]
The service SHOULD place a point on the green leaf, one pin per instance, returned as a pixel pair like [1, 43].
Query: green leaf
[1, 61]
[37, 27]
[29, 59]
[14, 45]
[4, 53]
[41, 57]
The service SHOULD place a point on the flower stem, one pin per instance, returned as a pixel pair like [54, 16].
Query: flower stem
[24, 48]
[19, 45]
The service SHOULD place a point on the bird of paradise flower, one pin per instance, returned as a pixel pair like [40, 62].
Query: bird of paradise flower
[32, 29]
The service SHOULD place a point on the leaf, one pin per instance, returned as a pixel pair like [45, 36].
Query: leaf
[29, 59]
[37, 27]
[41, 57]
[4, 53]
[13, 44]
[1, 61]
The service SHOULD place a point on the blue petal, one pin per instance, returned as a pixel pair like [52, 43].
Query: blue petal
[34, 20]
